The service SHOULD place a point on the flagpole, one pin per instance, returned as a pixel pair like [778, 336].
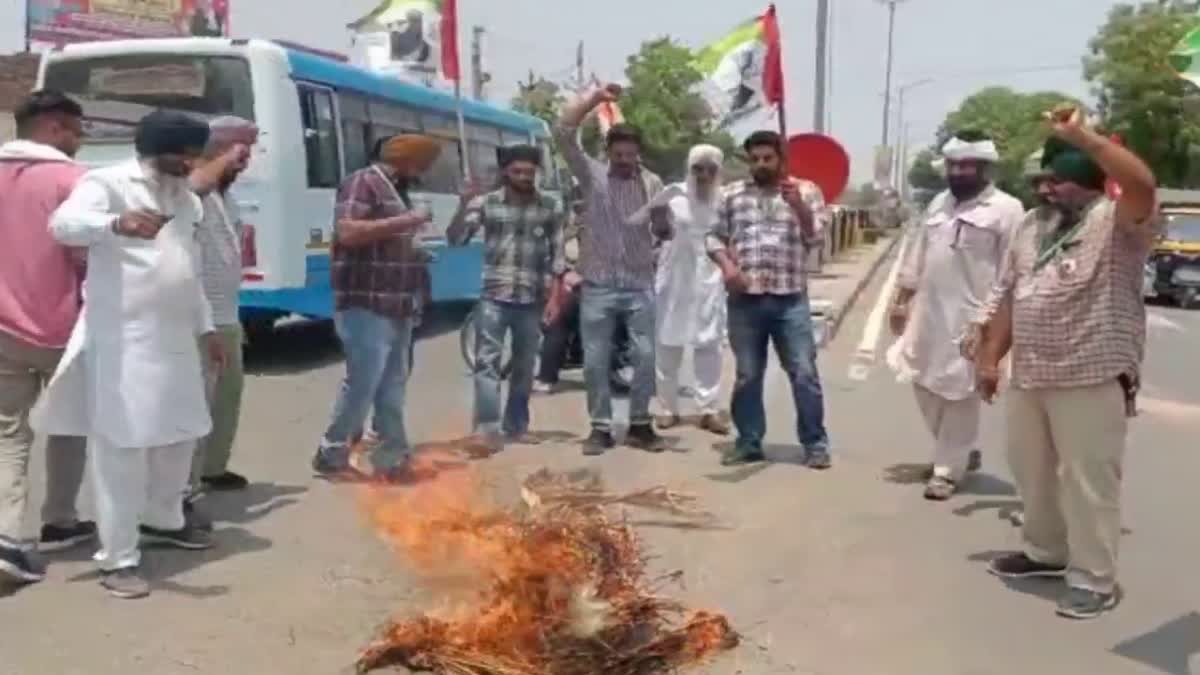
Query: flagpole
[464, 155]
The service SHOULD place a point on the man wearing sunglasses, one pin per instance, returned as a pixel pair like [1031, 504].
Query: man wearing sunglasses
[946, 275]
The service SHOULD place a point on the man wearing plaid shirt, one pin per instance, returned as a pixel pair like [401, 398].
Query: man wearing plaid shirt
[765, 230]
[380, 283]
[522, 258]
[1069, 301]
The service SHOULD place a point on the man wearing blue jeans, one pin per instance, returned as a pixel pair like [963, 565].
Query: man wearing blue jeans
[380, 284]
[765, 230]
[522, 261]
[617, 269]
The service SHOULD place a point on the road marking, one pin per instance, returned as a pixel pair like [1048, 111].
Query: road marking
[864, 356]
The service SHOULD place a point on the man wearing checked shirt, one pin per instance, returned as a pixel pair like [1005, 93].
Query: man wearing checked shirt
[522, 260]
[765, 230]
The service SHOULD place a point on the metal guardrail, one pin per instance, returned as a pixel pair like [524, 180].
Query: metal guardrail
[848, 228]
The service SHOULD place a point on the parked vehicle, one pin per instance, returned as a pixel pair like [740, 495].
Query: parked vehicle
[1175, 262]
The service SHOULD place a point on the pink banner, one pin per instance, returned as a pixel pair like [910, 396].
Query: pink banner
[58, 22]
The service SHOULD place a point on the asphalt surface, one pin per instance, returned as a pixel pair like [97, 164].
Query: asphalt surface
[848, 571]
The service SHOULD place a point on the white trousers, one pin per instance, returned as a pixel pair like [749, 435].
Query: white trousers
[955, 429]
[133, 487]
[706, 361]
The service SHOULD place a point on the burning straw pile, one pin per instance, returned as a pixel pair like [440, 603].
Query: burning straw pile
[559, 586]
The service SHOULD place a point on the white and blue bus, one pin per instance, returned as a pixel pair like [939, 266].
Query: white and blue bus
[319, 118]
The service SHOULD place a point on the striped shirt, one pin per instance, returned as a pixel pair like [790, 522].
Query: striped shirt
[522, 244]
[1079, 320]
[219, 235]
[764, 235]
[389, 277]
[614, 253]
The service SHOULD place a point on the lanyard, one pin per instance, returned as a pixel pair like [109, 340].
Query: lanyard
[1051, 251]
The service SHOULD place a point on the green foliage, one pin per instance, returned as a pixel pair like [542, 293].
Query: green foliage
[1140, 96]
[922, 175]
[663, 101]
[541, 98]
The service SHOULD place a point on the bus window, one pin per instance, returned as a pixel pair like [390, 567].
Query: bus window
[133, 85]
[356, 131]
[320, 137]
[444, 176]
[394, 117]
[484, 166]
[550, 168]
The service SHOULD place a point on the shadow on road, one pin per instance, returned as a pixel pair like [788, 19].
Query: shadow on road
[907, 473]
[300, 346]
[1004, 508]
[255, 502]
[1167, 648]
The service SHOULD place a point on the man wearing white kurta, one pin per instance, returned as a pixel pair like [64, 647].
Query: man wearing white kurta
[953, 259]
[691, 295]
[131, 380]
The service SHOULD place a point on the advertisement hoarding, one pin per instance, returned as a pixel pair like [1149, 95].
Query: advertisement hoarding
[58, 22]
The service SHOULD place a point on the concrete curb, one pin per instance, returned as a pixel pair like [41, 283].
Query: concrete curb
[831, 312]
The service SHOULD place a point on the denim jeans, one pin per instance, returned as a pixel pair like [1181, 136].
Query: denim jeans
[378, 353]
[785, 320]
[494, 321]
[600, 311]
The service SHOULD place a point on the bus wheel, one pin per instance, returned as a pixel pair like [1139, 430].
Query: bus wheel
[258, 330]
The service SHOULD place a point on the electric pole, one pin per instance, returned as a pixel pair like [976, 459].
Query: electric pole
[820, 86]
[479, 78]
[579, 67]
[887, 94]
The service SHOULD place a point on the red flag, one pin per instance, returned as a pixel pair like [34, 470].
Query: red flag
[449, 37]
[773, 64]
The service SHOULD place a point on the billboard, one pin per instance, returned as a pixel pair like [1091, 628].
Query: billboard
[56, 22]
[400, 37]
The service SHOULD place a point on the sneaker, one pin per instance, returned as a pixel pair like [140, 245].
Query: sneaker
[196, 517]
[598, 442]
[542, 388]
[1017, 518]
[939, 489]
[1021, 566]
[974, 461]
[665, 422]
[742, 455]
[482, 446]
[189, 537]
[226, 482]
[716, 424]
[16, 565]
[1081, 603]
[126, 584]
[644, 437]
[522, 438]
[62, 537]
[338, 471]
[818, 459]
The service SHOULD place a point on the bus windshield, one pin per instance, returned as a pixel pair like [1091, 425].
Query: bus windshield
[1183, 228]
[117, 91]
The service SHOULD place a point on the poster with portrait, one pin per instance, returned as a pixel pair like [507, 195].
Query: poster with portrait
[52, 23]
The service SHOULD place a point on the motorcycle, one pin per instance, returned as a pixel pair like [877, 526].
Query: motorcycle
[620, 372]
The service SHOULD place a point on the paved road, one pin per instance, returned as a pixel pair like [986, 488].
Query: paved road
[849, 571]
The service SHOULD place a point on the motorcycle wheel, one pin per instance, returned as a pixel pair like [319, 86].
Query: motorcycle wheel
[466, 345]
[1187, 298]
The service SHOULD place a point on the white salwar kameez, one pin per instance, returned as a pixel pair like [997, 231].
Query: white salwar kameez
[690, 302]
[953, 259]
[131, 379]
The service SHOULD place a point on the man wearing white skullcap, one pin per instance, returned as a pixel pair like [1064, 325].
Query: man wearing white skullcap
[953, 259]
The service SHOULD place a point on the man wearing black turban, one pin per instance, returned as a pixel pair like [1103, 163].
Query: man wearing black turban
[523, 261]
[130, 380]
[1069, 303]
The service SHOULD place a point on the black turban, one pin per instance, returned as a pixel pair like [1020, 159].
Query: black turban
[170, 133]
[1067, 162]
[518, 153]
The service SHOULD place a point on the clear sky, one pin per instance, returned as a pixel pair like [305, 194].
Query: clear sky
[962, 44]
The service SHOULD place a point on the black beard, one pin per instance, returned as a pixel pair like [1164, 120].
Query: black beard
[764, 178]
[964, 190]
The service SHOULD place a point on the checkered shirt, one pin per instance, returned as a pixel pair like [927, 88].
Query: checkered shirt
[613, 252]
[388, 277]
[762, 232]
[522, 245]
[1080, 320]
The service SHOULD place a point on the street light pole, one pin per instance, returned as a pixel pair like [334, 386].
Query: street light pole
[820, 86]
[887, 98]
